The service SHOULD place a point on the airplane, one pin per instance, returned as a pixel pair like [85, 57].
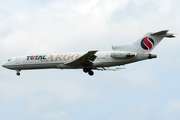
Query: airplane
[92, 60]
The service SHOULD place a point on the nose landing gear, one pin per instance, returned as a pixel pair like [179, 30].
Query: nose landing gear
[18, 72]
[89, 71]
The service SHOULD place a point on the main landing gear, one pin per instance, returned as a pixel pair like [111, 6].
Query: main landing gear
[89, 71]
[18, 72]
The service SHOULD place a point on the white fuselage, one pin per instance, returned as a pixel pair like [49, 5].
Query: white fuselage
[58, 60]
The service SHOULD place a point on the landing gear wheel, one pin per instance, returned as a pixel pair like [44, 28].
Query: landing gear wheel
[91, 73]
[18, 74]
[85, 70]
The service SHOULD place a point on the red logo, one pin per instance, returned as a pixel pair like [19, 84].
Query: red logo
[147, 43]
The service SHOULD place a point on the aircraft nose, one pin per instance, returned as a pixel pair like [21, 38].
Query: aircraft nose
[4, 65]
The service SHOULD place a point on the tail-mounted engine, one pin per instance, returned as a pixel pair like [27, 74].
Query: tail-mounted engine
[122, 55]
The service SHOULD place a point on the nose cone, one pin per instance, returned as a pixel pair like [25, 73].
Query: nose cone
[4, 65]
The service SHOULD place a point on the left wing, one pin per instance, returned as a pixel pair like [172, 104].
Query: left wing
[85, 60]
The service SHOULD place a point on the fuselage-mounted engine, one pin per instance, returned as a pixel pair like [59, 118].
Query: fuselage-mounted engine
[122, 55]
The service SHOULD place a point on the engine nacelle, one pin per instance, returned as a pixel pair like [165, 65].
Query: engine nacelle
[121, 55]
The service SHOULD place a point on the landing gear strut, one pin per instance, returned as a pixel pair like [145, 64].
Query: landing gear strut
[89, 71]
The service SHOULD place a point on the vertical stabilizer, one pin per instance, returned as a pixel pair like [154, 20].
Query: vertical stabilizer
[148, 42]
[145, 44]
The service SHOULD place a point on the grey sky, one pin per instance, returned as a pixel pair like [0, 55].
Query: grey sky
[144, 90]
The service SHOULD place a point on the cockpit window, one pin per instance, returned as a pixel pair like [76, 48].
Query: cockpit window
[9, 59]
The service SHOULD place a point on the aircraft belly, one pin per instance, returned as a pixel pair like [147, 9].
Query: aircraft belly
[28, 66]
[42, 66]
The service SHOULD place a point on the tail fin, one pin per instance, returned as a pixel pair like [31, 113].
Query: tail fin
[145, 44]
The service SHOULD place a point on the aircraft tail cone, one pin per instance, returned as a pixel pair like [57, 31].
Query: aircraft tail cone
[150, 56]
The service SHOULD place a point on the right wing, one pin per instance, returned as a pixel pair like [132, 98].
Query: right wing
[85, 60]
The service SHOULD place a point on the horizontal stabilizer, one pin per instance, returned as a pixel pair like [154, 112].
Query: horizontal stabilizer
[170, 35]
[163, 33]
